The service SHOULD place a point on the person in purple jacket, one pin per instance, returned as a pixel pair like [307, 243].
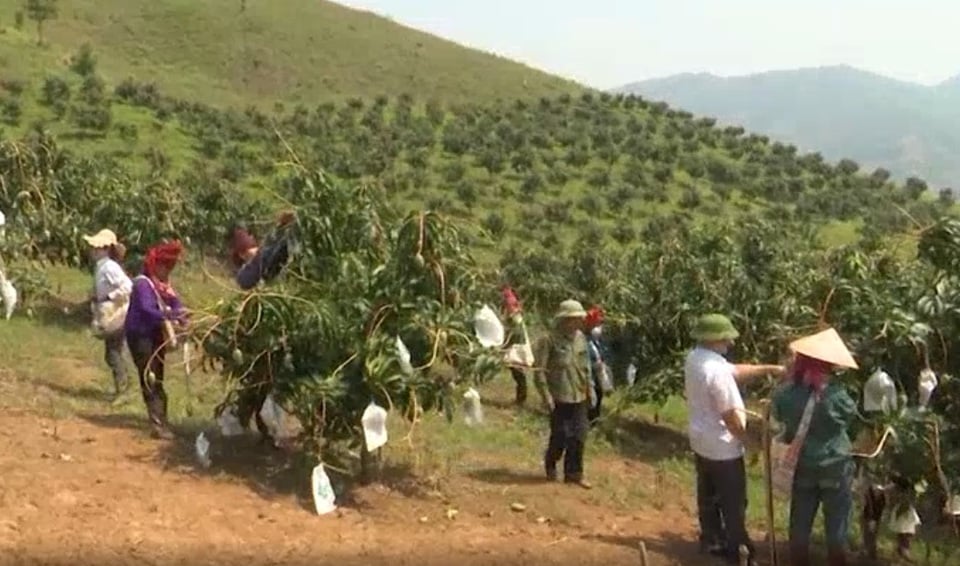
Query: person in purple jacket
[152, 303]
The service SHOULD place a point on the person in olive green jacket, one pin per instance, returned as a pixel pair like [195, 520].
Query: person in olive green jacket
[824, 472]
[563, 380]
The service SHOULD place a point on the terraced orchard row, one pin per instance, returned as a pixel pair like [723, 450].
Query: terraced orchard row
[546, 172]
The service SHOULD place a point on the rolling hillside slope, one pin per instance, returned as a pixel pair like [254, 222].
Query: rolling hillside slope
[551, 172]
[291, 50]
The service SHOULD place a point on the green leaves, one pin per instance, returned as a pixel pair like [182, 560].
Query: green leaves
[939, 245]
[51, 198]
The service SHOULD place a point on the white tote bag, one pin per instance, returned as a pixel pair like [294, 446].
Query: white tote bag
[520, 354]
[109, 316]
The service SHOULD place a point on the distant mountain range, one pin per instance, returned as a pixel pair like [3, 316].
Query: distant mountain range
[909, 129]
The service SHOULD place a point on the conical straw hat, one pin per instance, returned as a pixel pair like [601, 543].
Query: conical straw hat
[826, 346]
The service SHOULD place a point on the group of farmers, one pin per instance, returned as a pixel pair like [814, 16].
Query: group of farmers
[814, 411]
[571, 376]
[145, 313]
[817, 415]
[140, 313]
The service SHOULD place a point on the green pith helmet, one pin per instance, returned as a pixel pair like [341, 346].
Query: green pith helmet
[713, 328]
[571, 309]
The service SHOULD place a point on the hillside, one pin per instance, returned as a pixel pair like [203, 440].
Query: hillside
[842, 112]
[293, 51]
[552, 173]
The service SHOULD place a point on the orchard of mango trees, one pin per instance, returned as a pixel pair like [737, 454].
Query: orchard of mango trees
[371, 265]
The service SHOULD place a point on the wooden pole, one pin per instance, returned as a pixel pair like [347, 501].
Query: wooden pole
[768, 486]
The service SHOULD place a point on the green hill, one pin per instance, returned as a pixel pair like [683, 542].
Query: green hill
[289, 50]
[910, 129]
[553, 172]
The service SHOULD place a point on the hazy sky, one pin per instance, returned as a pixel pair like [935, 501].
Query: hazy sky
[606, 43]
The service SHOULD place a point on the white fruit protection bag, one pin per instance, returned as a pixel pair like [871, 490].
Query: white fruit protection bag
[374, 421]
[324, 499]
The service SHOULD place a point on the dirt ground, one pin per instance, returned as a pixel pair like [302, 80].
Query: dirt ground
[99, 491]
[87, 486]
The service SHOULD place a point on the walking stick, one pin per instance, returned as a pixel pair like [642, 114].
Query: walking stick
[187, 370]
[768, 485]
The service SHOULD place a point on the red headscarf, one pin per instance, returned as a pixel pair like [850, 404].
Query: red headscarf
[167, 255]
[811, 372]
[511, 304]
[595, 316]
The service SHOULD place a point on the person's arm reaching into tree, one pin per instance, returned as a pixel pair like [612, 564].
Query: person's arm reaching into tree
[746, 372]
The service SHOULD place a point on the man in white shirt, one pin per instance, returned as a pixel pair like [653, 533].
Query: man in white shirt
[716, 430]
[112, 288]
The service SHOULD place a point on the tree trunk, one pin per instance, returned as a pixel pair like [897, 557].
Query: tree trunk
[39, 32]
[370, 465]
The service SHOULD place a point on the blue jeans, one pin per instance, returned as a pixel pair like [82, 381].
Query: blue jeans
[836, 496]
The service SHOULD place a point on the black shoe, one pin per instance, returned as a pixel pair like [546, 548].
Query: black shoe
[551, 474]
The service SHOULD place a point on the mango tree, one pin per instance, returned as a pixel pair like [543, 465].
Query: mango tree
[323, 339]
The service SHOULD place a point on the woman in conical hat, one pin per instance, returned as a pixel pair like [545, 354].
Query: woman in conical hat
[824, 473]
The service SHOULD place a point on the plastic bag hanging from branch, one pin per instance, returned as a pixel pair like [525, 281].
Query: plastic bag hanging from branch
[879, 393]
[229, 423]
[488, 328]
[374, 422]
[202, 449]
[403, 356]
[926, 383]
[324, 499]
[472, 409]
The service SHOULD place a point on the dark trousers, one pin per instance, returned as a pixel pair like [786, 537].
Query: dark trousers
[113, 355]
[265, 265]
[148, 355]
[722, 505]
[248, 407]
[568, 434]
[520, 377]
